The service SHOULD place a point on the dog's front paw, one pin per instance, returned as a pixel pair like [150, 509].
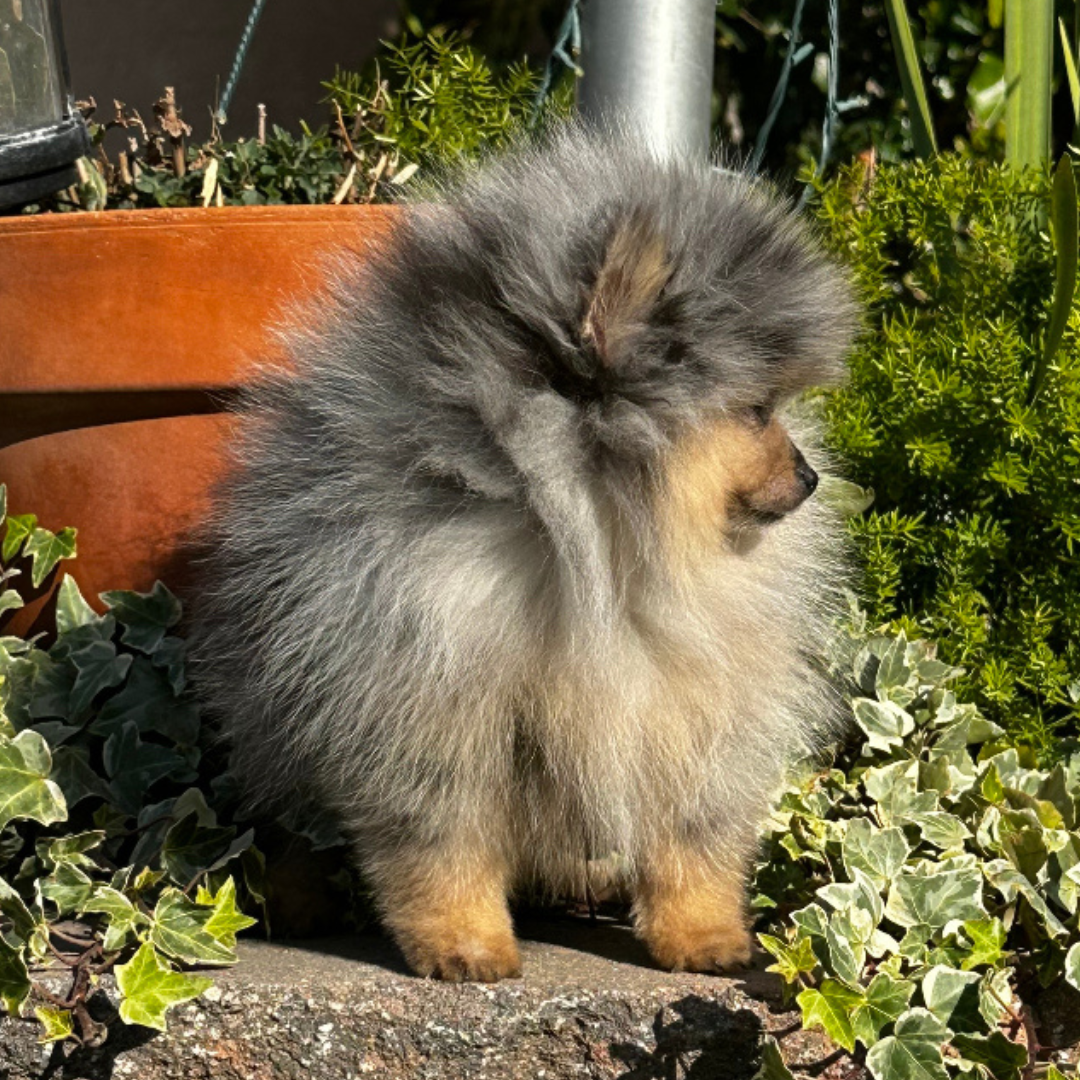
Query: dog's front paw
[461, 955]
[710, 949]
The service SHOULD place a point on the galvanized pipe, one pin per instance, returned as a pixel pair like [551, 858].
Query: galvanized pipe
[648, 64]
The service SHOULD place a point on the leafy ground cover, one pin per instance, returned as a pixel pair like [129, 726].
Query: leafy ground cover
[112, 855]
[924, 889]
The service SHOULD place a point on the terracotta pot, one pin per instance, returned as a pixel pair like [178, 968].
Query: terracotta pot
[121, 335]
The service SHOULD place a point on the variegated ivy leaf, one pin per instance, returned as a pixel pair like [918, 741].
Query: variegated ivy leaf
[226, 921]
[1011, 883]
[70, 849]
[895, 788]
[861, 893]
[67, 887]
[878, 853]
[999, 1057]
[792, 960]
[25, 788]
[941, 829]
[57, 1024]
[123, 917]
[847, 935]
[884, 1001]
[913, 1051]
[72, 610]
[953, 997]
[772, 1062]
[179, 929]
[935, 899]
[14, 978]
[47, 549]
[894, 677]
[884, 723]
[10, 600]
[149, 986]
[830, 1008]
[1072, 966]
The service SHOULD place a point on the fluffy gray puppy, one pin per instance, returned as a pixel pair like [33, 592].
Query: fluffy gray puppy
[508, 573]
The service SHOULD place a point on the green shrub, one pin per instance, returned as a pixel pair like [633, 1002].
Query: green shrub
[431, 100]
[936, 877]
[972, 537]
[112, 858]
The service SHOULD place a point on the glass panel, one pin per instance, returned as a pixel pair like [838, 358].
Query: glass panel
[30, 93]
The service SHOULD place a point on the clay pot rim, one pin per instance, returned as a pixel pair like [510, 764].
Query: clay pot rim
[187, 216]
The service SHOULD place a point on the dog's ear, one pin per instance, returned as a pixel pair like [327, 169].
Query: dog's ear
[633, 273]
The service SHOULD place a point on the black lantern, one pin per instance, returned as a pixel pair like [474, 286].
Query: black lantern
[41, 134]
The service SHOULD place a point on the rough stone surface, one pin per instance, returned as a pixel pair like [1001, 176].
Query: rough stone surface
[590, 1005]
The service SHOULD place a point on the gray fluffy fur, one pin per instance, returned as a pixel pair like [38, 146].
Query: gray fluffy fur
[438, 598]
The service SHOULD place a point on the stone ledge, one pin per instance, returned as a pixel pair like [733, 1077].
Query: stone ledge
[589, 1005]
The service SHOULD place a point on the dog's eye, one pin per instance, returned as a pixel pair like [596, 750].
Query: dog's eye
[760, 415]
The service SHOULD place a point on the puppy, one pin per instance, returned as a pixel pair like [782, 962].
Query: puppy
[514, 569]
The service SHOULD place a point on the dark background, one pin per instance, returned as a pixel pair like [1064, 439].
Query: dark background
[133, 49]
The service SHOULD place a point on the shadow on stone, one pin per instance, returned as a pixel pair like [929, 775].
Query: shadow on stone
[705, 1041]
[98, 1063]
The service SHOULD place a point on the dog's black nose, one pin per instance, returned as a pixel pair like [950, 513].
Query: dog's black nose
[807, 477]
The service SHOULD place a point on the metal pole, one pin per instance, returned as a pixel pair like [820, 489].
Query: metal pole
[648, 64]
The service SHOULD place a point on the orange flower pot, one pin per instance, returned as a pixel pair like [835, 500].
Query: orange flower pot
[120, 335]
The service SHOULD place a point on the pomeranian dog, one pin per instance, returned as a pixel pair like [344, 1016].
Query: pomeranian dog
[514, 571]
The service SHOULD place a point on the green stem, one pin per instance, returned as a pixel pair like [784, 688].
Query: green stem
[1029, 69]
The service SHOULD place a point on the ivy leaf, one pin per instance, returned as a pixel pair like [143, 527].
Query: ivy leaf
[149, 987]
[953, 997]
[226, 921]
[149, 700]
[133, 766]
[144, 616]
[123, 917]
[945, 831]
[23, 923]
[830, 1008]
[75, 776]
[772, 1062]
[1072, 966]
[987, 937]
[179, 930]
[56, 1022]
[1003, 1058]
[883, 1002]
[25, 788]
[912, 1052]
[883, 722]
[1010, 882]
[47, 549]
[936, 899]
[10, 600]
[19, 527]
[67, 887]
[846, 936]
[878, 853]
[99, 668]
[14, 978]
[191, 848]
[72, 611]
[791, 960]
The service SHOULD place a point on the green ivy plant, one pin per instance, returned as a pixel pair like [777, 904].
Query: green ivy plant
[112, 857]
[974, 531]
[925, 888]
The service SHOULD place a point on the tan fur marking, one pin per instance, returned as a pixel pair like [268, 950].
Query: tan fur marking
[691, 914]
[448, 913]
[707, 475]
[635, 269]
